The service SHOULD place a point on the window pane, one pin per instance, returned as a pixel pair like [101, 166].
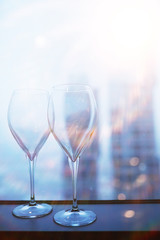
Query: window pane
[114, 47]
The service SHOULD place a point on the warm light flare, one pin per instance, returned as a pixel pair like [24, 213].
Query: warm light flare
[129, 214]
[134, 161]
[121, 196]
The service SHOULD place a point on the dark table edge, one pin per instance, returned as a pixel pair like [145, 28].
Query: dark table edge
[145, 201]
[120, 235]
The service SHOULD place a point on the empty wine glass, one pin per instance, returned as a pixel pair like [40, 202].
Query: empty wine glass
[27, 120]
[72, 118]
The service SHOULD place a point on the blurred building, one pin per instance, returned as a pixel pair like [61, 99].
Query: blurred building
[135, 166]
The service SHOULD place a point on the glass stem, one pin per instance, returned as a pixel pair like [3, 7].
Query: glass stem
[31, 172]
[74, 170]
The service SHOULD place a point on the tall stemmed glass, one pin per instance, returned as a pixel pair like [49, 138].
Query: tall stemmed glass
[27, 120]
[72, 118]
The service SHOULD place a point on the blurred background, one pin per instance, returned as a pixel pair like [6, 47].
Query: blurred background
[114, 46]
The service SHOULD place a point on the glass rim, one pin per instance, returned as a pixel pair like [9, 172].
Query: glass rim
[71, 87]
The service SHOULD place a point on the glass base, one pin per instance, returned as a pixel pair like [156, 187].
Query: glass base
[28, 211]
[74, 218]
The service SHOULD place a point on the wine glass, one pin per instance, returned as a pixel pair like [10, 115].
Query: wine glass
[27, 120]
[72, 119]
